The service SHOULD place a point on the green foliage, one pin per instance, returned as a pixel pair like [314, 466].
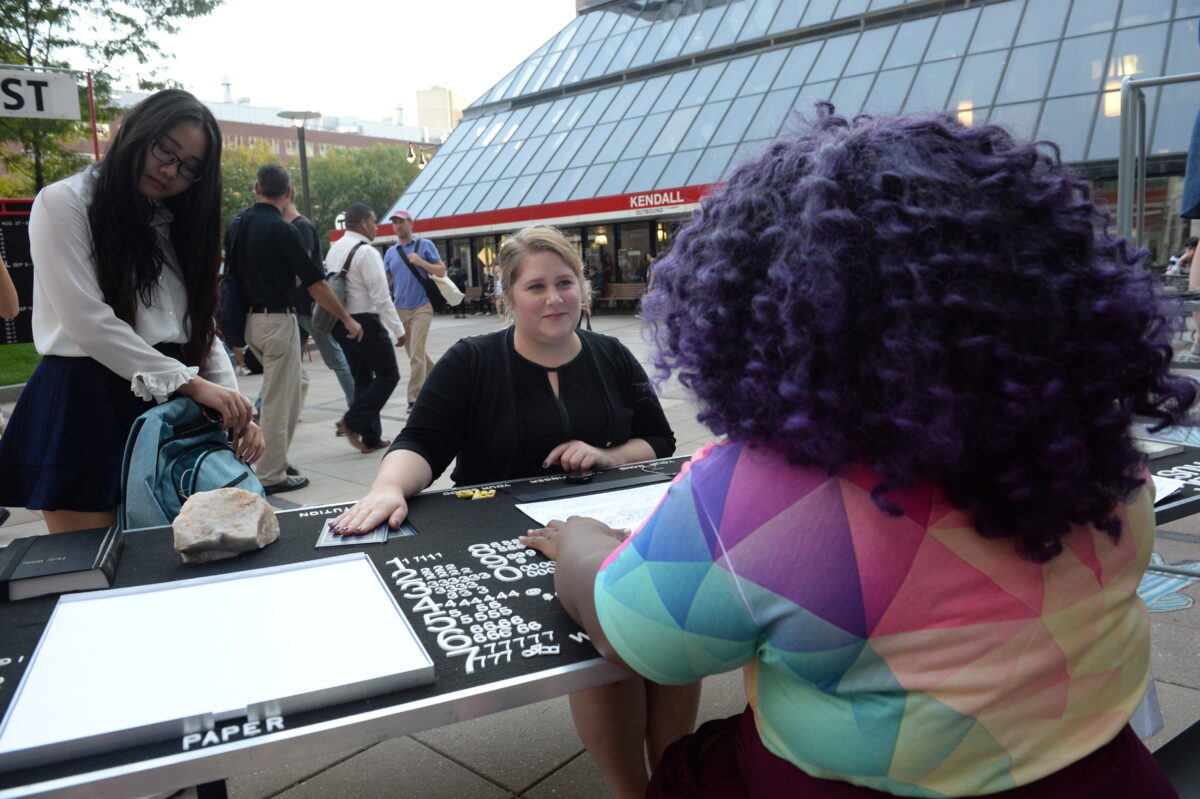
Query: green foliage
[44, 158]
[17, 362]
[376, 176]
[239, 165]
[92, 33]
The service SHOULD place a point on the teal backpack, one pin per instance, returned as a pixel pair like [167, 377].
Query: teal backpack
[174, 451]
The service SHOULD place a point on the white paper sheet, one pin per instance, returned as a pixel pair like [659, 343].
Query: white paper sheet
[1164, 487]
[114, 661]
[627, 508]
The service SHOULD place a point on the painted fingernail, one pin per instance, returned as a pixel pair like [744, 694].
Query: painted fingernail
[545, 464]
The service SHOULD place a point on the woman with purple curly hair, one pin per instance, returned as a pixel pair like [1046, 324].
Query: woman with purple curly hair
[922, 533]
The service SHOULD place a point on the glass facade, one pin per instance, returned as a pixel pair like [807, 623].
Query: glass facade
[637, 96]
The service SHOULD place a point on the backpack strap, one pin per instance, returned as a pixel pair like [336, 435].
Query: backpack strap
[349, 258]
[426, 282]
[404, 256]
[231, 239]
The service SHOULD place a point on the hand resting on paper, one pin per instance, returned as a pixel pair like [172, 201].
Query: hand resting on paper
[578, 546]
[591, 532]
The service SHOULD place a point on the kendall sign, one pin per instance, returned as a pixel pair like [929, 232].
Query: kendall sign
[656, 199]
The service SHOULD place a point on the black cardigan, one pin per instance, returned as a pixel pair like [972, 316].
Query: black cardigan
[468, 408]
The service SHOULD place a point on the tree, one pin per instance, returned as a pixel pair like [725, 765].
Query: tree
[239, 167]
[93, 34]
[376, 176]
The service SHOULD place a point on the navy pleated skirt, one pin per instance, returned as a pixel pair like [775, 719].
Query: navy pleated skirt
[63, 445]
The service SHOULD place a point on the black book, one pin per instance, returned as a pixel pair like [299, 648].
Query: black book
[82, 560]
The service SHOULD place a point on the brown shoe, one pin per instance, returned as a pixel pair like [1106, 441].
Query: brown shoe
[384, 443]
[354, 438]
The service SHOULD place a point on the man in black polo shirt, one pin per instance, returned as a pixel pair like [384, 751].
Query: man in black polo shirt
[269, 259]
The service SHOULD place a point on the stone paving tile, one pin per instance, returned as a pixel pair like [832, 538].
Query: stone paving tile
[10, 531]
[515, 748]
[1181, 707]
[721, 697]
[400, 768]
[276, 780]
[579, 779]
[1175, 653]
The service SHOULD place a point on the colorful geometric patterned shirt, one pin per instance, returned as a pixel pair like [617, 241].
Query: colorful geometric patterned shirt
[903, 653]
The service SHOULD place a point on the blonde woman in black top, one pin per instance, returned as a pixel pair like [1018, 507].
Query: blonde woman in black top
[542, 397]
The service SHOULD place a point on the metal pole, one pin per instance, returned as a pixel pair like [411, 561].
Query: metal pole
[1132, 105]
[1126, 165]
[304, 172]
[92, 111]
[1140, 167]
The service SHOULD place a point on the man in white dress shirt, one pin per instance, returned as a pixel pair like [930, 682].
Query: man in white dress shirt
[373, 358]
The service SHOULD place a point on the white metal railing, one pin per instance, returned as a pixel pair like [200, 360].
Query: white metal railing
[1131, 163]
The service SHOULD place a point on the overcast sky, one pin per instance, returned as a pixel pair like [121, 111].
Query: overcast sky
[359, 58]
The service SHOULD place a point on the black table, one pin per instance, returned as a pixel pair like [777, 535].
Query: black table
[462, 580]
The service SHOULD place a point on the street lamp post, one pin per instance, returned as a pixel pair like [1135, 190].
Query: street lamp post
[298, 119]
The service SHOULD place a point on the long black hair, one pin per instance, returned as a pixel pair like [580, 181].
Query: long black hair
[128, 257]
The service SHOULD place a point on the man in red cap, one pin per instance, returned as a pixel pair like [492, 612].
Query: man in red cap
[410, 262]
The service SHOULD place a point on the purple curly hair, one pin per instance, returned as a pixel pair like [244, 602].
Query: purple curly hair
[940, 301]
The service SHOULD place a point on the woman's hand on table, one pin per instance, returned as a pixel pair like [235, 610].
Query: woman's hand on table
[378, 506]
[593, 533]
[248, 444]
[577, 456]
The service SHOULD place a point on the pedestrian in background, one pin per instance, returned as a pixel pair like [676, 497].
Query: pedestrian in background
[331, 351]
[372, 356]
[407, 261]
[266, 256]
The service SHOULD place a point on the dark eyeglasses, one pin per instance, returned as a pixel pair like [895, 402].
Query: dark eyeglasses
[167, 157]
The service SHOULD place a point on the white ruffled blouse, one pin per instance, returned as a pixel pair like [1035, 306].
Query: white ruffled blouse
[70, 317]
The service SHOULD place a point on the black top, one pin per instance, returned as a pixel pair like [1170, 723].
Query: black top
[268, 256]
[496, 412]
[312, 243]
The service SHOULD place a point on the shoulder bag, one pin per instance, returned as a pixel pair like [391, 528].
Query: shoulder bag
[441, 290]
[322, 320]
[231, 302]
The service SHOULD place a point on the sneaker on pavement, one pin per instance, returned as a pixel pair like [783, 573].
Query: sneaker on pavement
[286, 484]
[292, 471]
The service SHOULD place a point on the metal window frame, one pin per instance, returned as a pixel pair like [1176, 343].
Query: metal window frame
[1131, 161]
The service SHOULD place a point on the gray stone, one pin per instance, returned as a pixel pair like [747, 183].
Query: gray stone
[222, 523]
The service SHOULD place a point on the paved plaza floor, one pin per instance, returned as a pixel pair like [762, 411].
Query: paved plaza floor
[533, 751]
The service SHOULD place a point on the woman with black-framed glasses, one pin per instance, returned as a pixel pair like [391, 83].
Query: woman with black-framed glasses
[125, 257]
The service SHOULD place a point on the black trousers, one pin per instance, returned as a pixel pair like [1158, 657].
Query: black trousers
[373, 365]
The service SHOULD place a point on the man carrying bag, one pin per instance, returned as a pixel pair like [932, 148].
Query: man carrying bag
[410, 262]
[357, 265]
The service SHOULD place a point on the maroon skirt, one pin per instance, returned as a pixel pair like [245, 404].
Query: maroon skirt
[726, 759]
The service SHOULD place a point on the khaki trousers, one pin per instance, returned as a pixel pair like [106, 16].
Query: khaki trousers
[274, 339]
[416, 329]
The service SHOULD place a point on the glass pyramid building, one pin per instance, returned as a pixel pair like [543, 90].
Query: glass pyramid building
[621, 121]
